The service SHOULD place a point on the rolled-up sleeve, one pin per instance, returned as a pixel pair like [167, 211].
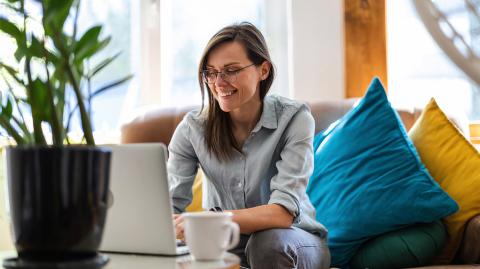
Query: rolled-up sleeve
[182, 167]
[295, 166]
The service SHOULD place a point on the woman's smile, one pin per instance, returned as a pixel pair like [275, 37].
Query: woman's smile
[227, 94]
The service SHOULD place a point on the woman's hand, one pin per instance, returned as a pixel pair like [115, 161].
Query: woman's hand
[179, 226]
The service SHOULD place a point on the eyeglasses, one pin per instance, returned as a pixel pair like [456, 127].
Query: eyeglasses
[228, 75]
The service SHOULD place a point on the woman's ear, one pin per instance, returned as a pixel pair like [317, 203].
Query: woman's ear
[265, 70]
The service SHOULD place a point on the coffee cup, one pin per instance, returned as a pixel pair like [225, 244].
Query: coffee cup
[210, 234]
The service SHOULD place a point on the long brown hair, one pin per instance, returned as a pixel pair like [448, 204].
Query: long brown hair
[218, 133]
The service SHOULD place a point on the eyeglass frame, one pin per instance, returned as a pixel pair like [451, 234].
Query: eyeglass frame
[224, 75]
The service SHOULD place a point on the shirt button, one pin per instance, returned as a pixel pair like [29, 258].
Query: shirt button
[239, 184]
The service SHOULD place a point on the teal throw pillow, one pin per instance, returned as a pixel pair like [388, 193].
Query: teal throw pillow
[368, 178]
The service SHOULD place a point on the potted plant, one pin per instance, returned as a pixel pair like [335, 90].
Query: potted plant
[57, 187]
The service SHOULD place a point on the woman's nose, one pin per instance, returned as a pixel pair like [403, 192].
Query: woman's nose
[220, 81]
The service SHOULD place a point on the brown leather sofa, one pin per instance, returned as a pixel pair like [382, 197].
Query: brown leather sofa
[158, 126]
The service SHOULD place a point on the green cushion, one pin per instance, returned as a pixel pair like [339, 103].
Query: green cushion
[408, 247]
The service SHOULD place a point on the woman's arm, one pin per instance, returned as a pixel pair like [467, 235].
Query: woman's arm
[182, 167]
[262, 217]
[250, 220]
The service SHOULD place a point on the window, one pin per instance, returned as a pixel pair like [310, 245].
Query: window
[418, 69]
[186, 27]
[114, 15]
[161, 42]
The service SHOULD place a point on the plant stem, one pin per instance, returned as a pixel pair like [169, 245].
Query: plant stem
[57, 133]
[37, 124]
[75, 20]
[86, 125]
[89, 88]
[67, 127]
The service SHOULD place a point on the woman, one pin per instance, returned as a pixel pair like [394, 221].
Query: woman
[256, 152]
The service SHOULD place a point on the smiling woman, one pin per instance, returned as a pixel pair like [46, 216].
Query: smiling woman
[256, 152]
[234, 49]
[229, 91]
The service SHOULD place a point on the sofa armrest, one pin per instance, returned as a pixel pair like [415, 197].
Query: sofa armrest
[155, 125]
[469, 252]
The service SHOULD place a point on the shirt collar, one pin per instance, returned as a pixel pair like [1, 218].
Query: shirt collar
[268, 119]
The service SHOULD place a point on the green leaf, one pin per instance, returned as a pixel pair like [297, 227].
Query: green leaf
[92, 50]
[63, 47]
[8, 108]
[88, 39]
[59, 74]
[89, 44]
[19, 53]
[36, 48]
[21, 121]
[9, 69]
[102, 65]
[22, 50]
[55, 13]
[103, 44]
[10, 29]
[7, 126]
[12, 7]
[15, 7]
[39, 101]
[12, 72]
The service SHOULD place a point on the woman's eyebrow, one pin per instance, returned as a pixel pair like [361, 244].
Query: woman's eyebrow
[225, 65]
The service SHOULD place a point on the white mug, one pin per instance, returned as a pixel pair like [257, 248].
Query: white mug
[210, 234]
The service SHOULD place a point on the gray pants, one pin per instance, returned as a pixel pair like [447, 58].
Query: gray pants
[283, 248]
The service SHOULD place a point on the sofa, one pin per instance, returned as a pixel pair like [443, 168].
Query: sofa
[159, 124]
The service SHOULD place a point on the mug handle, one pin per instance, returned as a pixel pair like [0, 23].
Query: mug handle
[235, 235]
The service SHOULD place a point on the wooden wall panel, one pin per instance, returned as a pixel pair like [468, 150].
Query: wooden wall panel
[365, 44]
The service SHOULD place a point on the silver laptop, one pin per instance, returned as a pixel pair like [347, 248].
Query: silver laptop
[139, 219]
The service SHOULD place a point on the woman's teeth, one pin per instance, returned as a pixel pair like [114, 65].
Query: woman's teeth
[223, 94]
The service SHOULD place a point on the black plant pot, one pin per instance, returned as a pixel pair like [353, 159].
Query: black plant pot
[58, 200]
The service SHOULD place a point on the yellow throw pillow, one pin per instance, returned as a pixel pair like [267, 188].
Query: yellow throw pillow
[196, 204]
[455, 164]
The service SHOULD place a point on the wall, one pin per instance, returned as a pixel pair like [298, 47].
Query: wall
[317, 53]
[5, 240]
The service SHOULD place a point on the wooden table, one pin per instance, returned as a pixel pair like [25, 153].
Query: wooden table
[125, 261]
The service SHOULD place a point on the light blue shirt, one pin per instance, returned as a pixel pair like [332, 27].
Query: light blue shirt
[275, 166]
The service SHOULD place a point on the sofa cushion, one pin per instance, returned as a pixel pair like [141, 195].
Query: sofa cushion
[196, 204]
[368, 178]
[413, 246]
[455, 164]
